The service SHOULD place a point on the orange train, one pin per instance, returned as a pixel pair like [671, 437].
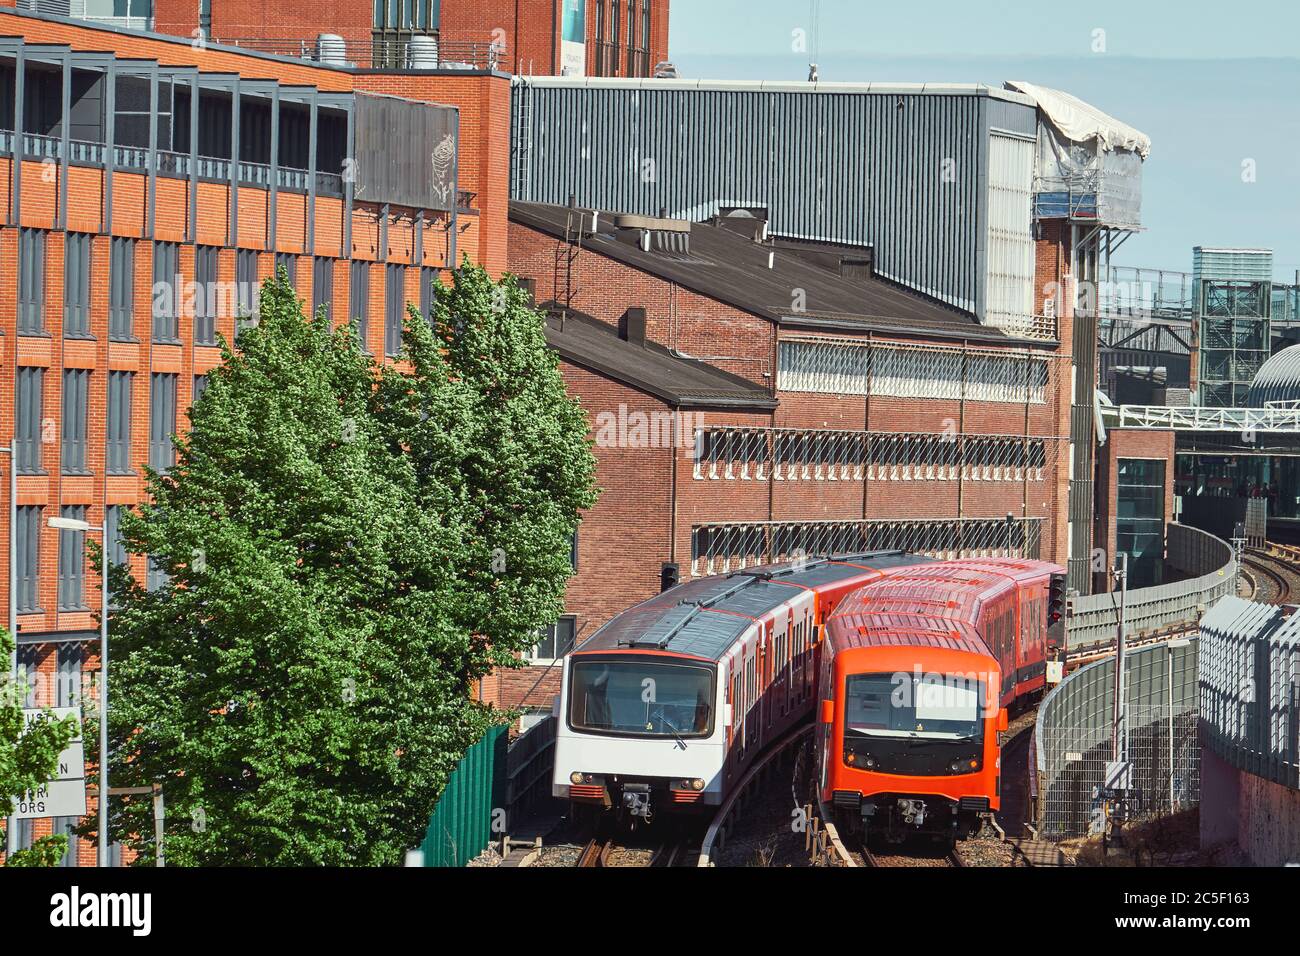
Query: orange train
[918, 671]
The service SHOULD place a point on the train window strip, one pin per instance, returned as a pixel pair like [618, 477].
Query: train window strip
[729, 454]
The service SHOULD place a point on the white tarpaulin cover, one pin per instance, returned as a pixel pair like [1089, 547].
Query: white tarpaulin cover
[1080, 122]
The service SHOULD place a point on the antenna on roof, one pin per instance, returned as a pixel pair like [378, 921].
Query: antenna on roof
[814, 15]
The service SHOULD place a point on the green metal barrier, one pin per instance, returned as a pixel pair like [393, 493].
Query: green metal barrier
[461, 824]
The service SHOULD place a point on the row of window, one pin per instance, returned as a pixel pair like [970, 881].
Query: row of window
[31, 538]
[616, 30]
[745, 454]
[861, 368]
[207, 299]
[32, 429]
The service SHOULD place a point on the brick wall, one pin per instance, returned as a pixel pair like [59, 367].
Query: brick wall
[483, 166]
[251, 19]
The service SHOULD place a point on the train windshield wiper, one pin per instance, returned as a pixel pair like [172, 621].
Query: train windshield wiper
[677, 734]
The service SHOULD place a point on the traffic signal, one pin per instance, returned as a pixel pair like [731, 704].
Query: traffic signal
[1056, 599]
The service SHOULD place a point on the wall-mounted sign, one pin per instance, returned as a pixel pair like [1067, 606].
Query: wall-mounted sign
[65, 795]
[573, 39]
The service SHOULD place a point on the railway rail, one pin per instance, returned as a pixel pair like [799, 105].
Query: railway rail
[1274, 573]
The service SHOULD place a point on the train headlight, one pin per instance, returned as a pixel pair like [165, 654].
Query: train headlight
[955, 766]
[871, 761]
[575, 777]
[697, 784]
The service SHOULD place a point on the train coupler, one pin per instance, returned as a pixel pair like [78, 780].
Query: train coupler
[636, 800]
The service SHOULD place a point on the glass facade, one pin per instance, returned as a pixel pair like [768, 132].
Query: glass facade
[1140, 519]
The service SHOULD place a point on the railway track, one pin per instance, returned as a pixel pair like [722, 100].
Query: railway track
[927, 857]
[608, 852]
[1274, 575]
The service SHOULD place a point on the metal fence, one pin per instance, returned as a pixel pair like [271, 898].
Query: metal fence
[1211, 568]
[1250, 689]
[461, 824]
[1072, 740]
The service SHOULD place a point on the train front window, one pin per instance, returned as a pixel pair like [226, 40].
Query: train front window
[914, 706]
[640, 698]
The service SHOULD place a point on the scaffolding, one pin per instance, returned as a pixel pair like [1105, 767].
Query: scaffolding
[1233, 310]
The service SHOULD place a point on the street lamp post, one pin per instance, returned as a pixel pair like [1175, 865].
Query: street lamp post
[11, 829]
[74, 524]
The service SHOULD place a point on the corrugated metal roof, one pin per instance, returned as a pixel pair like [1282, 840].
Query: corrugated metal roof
[902, 168]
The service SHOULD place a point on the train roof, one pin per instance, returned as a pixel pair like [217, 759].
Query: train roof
[706, 616]
[855, 630]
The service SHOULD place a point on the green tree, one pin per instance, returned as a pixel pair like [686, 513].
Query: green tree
[299, 676]
[28, 759]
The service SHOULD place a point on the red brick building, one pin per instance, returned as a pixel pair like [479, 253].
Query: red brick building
[752, 399]
[540, 37]
[129, 161]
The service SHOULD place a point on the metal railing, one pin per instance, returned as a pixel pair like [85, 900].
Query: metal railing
[1212, 570]
[136, 158]
[1275, 417]
[405, 53]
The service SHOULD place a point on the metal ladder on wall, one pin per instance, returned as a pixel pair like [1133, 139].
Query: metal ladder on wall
[567, 251]
[523, 139]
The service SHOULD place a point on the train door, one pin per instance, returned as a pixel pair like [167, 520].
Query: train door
[781, 628]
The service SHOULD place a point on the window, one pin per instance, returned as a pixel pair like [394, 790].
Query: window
[76, 285]
[167, 287]
[76, 393]
[66, 825]
[31, 281]
[120, 387]
[200, 386]
[289, 263]
[359, 306]
[68, 689]
[121, 289]
[609, 696]
[322, 287]
[206, 297]
[1140, 519]
[155, 576]
[556, 641]
[113, 536]
[246, 281]
[29, 403]
[162, 420]
[393, 299]
[29, 558]
[28, 676]
[72, 562]
[613, 38]
[428, 276]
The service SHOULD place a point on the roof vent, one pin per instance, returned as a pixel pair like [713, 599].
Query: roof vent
[422, 53]
[658, 234]
[331, 49]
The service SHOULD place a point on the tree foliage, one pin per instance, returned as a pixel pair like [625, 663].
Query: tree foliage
[28, 759]
[302, 681]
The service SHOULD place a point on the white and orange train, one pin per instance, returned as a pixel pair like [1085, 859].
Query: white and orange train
[667, 705]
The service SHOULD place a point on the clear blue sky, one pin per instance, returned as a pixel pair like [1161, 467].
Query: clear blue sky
[1211, 84]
